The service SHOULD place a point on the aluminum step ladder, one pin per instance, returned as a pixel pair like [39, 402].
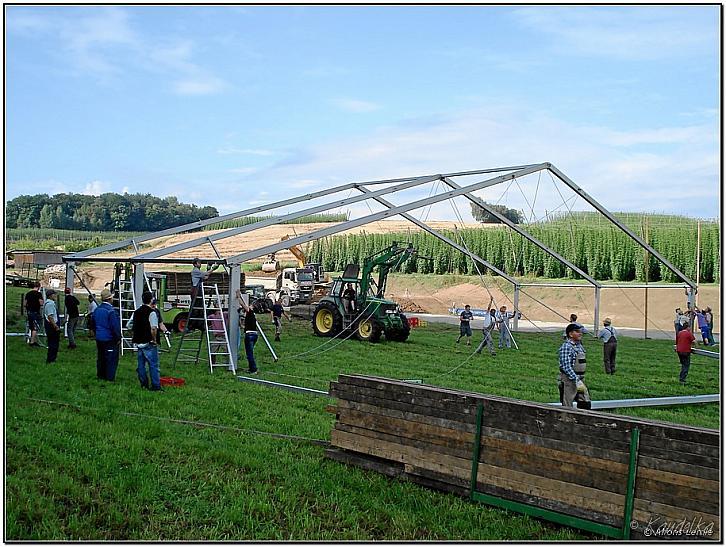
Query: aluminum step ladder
[126, 307]
[198, 327]
[218, 347]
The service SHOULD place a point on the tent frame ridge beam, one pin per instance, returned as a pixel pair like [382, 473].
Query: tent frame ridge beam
[587, 197]
[262, 251]
[280, 219]
[524, 233]
[207, 222]
[443, 238]
[231, 216]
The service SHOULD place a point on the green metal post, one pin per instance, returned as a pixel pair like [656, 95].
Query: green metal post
[630, 489]
[476, 450]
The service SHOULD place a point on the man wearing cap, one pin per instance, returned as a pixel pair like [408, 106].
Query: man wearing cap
[572, 369]
[609, 336]
[52, 328]
[145, 325]
[108, 335]
[72, 317]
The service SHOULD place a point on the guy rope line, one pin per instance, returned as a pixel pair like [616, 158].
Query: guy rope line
[329, 340]
[481, 277]
[282, 436]
[536, 191]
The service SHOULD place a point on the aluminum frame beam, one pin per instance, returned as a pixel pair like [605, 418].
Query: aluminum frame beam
[274, 205]
[280, 219]
[262, 251]
[652, 401]
[523, 233]
[443, 238]
[587, 197]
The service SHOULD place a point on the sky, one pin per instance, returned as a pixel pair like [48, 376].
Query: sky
[237, 106]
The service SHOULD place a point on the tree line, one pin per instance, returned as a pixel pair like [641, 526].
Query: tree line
[107, 212]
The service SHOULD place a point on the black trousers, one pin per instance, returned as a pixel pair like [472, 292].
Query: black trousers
[53, 342]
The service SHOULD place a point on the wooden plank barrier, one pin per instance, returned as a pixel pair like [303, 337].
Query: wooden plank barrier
[612, 475]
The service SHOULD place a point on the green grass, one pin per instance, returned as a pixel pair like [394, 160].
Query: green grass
[89, 471]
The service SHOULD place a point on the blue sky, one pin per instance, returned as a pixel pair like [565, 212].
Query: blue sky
[234, 106]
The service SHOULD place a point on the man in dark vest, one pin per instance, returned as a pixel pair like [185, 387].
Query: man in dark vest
[145, 324]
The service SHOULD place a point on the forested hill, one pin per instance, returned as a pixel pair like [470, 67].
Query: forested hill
[108, 212]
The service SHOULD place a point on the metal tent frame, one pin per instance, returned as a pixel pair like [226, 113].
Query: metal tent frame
[233, 263]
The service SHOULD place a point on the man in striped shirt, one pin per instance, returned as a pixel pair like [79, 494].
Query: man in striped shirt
[572, 366]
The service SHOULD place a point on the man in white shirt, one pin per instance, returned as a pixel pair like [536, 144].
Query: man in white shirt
[608, 335]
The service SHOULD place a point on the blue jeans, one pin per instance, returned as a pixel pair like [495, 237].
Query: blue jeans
[250, 341]
[148, 354]
[706, 335]
[505, 339]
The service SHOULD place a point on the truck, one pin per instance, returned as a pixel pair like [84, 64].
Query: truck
[290, 285]
[173, 292]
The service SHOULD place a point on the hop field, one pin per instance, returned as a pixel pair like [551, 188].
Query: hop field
[220, 459]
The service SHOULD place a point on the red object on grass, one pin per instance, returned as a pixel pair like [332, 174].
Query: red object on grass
[169, 381]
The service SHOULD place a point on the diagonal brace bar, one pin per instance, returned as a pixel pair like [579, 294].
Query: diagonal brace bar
[262, 251]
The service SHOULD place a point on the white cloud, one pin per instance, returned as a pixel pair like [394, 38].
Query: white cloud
[101, 41]
[96, 188]
[125, 190]
[627, 32]
[355, 105]
[209, 85]
[242, 170]
[608, 163]
[248, 151]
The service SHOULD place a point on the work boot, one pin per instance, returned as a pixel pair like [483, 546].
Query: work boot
[277, 338]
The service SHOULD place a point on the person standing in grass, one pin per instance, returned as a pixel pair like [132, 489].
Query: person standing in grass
[505, 335]
[52, 328]
[465, 325]
[107, 326]
[608, 335]
[145, 325]
[33, 302]
[248, 324]
[684, 347]
[703, 326]
[73, 316]
[572, 368]
[276, 313]
[487, 329]
[708, 314]
[573, 321]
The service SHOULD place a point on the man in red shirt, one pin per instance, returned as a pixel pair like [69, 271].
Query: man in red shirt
[684, 341]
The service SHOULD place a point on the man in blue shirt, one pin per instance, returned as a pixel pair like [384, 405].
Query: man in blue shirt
[108, 335]
[465, 325]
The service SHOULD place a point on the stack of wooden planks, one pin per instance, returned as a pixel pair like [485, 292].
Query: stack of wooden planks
[571, 463]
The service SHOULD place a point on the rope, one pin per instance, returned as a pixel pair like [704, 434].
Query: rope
[481, 277]
[329, 340]
[536, 191]
[194, 423]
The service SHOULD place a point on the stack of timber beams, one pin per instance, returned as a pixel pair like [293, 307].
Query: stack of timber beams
[570, 462]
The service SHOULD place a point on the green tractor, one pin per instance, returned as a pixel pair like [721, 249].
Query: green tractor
[357, 303]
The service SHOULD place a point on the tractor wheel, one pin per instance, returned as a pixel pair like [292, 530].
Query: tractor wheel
[180, 322]
[327, 320]
[399, 335]
[285, 300]
[369, 330]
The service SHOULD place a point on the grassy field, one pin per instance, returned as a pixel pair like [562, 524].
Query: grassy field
[91, 460]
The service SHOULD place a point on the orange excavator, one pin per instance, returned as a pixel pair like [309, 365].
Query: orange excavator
[273, 265]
